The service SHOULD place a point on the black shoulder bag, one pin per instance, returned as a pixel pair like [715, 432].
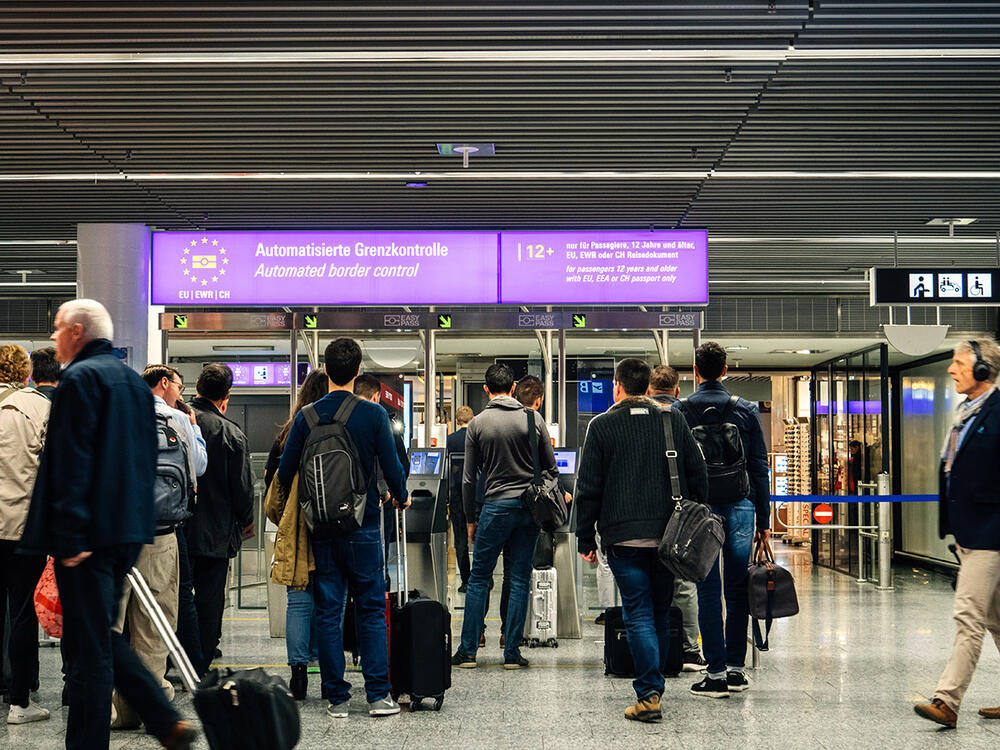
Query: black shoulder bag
[771, 591]
[542, 498]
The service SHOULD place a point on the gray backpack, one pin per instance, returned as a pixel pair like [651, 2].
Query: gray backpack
[172, 488]
[333, 486]
[693, 538]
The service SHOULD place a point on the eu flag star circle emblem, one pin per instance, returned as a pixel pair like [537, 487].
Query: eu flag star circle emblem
[205, 254]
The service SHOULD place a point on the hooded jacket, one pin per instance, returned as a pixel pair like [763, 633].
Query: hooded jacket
[24, 412]
[496, 444]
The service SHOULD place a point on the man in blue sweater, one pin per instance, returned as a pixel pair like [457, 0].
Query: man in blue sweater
[725, 644]
[354, 560]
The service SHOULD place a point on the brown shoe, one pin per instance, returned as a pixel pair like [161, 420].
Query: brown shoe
[501, 640]
[482, 640]
[990, 713]
[648, 709]
[937, 711]
[181, 737]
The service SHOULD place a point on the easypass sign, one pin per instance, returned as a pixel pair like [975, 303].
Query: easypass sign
[934, 286]
[324, 268]
[429, 268]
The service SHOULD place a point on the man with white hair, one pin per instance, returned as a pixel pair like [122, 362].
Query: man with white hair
[969, 508]
[92, 510]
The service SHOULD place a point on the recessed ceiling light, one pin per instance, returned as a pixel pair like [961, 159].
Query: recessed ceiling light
[239, 349]
[950, 222]
[798, 351]
[416, 184]
[737, 348]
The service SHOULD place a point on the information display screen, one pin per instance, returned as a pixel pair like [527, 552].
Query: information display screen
[604, 267]
[262, 373]
[425, 462]
[935, 286]
[566, 461]
[594, 396]
[324, 268]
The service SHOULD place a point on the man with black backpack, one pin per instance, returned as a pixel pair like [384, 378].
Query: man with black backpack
[728, 430]
[333, 445]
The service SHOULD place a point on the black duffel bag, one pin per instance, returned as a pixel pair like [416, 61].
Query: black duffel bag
[771, 590]
[247, 709]
[543, 498]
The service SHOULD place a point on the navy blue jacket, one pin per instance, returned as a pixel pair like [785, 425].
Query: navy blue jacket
[95, 481]
[969, 501]
[369, 428]
[745, 417]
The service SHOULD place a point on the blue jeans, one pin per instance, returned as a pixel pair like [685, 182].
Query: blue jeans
[726, 646]
[353, 561]
[300, 626]
[500, 521]
[646, 588]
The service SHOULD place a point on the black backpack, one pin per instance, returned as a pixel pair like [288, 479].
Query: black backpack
[333, 486]
[719, 438]
[172, 486]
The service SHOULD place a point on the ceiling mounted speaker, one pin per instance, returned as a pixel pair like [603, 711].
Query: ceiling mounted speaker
[392, 354]
[915, 340]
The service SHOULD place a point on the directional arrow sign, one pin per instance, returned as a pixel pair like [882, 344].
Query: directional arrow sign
[444, 321]
[312, 321]
[579, 321]
[180, 321]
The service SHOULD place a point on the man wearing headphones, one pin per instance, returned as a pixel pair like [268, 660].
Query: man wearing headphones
[969, 503]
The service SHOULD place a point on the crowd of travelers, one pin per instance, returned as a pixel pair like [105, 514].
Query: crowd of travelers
[103, 469]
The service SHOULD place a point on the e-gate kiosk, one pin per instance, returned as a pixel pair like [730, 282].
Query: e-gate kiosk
[568, 621]
[427, 524]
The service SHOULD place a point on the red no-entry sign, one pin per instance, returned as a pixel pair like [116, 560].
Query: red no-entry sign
[823, 513]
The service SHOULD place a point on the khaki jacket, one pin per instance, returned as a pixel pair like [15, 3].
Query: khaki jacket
[293, 555]
[24, 414]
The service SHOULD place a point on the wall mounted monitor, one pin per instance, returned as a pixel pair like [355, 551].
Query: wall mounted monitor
[426, 462]
[266, 373]
[566, 461]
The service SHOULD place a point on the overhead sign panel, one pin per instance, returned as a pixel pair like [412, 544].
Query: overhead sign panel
[324, 268]
[934, 286]
[604, 267]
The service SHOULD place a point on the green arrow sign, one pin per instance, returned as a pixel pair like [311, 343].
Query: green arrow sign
[444, 321]
[312, 321]
[579, 321]
[180, 321]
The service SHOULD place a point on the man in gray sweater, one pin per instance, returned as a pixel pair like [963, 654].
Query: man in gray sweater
[497, 445]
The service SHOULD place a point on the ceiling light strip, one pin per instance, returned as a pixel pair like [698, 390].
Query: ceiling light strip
[502, 55]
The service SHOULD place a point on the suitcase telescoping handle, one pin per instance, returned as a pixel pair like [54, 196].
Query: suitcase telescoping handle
[177, 652]
[402, 570]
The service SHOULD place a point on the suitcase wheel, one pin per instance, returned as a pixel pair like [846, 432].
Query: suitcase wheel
[416, 704]
[438, 702]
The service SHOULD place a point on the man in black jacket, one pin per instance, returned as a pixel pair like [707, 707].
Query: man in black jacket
[969, 504]
[725, 642]
[623, 491]
[224, 511]
[92, 510]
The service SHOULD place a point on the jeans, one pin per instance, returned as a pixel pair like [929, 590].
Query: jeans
[97, 658]
[300, 626]
[646, 589]
[726, 646]
[19, 575]
[500, 521]
[188, 632]
[355, 561]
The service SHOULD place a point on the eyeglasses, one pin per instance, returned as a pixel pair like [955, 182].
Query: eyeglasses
[180, 386]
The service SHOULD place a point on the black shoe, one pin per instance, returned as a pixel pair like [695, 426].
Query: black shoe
[462, 589]
[218, 653]
[519, 663]
[709, 688]
[462, 661]
[694, 662]
[299, 684]
[737, 682]
[601, 618]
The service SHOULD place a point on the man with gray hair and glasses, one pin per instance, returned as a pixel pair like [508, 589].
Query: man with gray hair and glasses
[92, 510]
[969, 508]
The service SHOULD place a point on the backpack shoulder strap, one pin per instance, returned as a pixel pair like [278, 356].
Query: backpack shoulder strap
[533, 446]
[728, 408]
[346, 409]
[693, 410]
[309, 413]
[8, 393]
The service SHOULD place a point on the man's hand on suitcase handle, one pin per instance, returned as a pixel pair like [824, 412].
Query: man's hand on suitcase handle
[72, 562]
[401, 506]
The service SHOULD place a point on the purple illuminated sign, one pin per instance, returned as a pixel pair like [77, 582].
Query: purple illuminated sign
[324, 268]
[261, 373]
[604, 267]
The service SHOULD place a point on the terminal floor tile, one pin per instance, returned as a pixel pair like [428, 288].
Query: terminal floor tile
[844, 673]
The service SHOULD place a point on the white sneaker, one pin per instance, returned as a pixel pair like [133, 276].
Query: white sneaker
[21, 715]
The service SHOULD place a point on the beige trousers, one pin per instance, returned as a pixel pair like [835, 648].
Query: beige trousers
[160, 566]
[977, 609]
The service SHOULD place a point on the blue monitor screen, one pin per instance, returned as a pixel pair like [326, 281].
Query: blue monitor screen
[566, 461]
[593, 396]
[425, 462]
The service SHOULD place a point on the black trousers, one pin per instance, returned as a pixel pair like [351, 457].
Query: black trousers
[19, 575]
[188, 632]
[209, 577]
[461, 532]
[97, 658]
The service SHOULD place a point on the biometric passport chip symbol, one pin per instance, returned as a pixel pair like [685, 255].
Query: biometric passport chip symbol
[203, 261]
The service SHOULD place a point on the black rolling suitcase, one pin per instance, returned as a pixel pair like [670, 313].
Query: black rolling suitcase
[617, 657]
[246, 709]
[419, 639]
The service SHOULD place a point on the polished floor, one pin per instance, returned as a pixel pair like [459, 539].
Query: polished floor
[843, 673]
